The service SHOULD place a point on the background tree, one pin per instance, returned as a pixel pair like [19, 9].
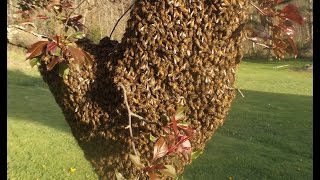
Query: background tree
[143, 107]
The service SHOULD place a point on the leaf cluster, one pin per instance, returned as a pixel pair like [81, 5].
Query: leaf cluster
[58, 50]
[277, 25]
[175, 141]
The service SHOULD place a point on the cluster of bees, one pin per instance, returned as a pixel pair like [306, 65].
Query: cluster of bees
[174, 53]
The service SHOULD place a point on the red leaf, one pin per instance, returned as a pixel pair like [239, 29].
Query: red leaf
[293, 46]
[42, 17]
[153, 176]
[185, 149]
[53, 62]
[160, 148]
[174, 125]
[56, 39]
[36, 49]
[181, 139]
[51, 47]
[291, 12]
[170, 140]
[75, 18]
[279, 43]
[77, 54]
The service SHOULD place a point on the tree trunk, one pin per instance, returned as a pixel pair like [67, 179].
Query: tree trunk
[172, 54]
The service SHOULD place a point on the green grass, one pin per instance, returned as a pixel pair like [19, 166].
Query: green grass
[40, 143]
[267, 135]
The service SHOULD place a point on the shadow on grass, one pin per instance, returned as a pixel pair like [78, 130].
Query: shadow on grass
[29, 99]
[266, 135]
[17, 77]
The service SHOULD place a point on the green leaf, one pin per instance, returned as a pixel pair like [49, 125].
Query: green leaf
[164, 118]
[57, 52]
[79, 35]
[152, 138]
[136, 161]
[196, 154]
[169, 171]
[34, 61]
[184, 123]
[119, 176]
[63, 69]
[180, 115]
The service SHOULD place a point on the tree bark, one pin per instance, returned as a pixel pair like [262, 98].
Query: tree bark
[21, 37]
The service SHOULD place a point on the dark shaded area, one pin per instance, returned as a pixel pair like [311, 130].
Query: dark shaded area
[22, 79]
[29, 99]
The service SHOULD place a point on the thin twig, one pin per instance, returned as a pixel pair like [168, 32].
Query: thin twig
[121, 18]
[235, 88]
[240, 92]
[258, 9]
[258, 43]
[65, 24]
[130, 114]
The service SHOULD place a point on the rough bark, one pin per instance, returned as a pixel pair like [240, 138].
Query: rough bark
[174, 53]
[21, 37]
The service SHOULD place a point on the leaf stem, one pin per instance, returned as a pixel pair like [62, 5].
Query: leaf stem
[65, 24]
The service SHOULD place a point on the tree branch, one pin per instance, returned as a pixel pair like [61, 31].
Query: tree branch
[21, 37]
[121, 18]
[258, 43]
[130, 114]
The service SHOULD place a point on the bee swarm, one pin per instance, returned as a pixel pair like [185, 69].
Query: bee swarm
[173, 53]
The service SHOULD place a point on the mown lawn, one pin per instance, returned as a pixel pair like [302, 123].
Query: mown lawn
[267, 135]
